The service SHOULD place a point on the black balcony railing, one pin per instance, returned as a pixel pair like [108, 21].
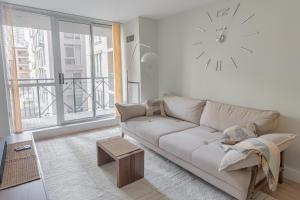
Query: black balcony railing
[38, 97]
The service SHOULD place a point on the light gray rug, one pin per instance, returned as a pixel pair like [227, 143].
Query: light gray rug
[71, 173]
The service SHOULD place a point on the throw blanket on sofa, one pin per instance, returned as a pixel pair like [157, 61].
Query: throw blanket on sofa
[269, 154]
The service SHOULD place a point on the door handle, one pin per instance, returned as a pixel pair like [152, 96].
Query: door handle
[61, 78]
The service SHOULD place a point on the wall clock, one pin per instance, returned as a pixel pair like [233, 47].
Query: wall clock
[218, 29]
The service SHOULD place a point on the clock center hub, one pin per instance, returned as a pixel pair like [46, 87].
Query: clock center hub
[221, 38]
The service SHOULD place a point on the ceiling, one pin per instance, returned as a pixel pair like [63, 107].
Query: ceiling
[115, 10]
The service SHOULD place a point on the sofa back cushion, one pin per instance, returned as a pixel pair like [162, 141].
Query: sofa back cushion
[221, 116]
[183, 108]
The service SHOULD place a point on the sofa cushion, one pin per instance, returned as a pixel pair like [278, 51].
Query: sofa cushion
[184, 108]
[152, 128]
[221, 116]
[183, 143]
[208, 158]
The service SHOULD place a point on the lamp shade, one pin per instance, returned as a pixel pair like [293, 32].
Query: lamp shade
[149, 57]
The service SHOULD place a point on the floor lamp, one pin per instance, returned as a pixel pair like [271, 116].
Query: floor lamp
[146, 58]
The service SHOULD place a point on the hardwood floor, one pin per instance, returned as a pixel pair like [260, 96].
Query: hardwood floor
[289, 190]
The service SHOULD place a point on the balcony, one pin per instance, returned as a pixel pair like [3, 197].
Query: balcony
[37, 100]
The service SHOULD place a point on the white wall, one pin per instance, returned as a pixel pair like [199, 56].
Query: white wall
[145, 32]
[149, 71]
[131, 62]
[268, 79]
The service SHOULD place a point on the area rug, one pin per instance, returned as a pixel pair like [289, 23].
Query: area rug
[20, 166]
[71, 173]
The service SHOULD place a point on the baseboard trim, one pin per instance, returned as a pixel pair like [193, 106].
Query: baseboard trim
[73, 128]
[292, 174]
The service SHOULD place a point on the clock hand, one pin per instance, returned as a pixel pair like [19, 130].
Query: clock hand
[221, 38]
[226, 28]
[237, 8]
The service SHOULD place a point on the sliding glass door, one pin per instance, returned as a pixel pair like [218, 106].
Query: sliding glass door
[76, 68]
[60, 70]
[87, 70]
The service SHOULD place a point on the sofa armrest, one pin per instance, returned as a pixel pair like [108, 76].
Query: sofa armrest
[282, 140]
[128, 111]
[234, 160]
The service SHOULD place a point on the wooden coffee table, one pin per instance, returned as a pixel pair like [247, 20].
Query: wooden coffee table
[129, 159]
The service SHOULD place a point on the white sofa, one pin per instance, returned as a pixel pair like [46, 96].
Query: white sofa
[189, 134]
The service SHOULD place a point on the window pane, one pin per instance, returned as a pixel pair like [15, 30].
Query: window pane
[69, 51]
[104, 71]
[76, 75]
[77, 55]
[76, 66]
[68, 36]
[28, 48]
[77, 36]
[70, 61]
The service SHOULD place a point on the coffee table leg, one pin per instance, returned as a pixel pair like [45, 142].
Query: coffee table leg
[123, 171]
[103, 157]
[138, 166]
[130, 169]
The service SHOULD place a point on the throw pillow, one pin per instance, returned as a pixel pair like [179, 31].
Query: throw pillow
[128, 111]
[235, 134]
[234, 160]
[155, 107]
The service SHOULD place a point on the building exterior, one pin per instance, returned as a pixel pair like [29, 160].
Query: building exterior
[21, 52]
